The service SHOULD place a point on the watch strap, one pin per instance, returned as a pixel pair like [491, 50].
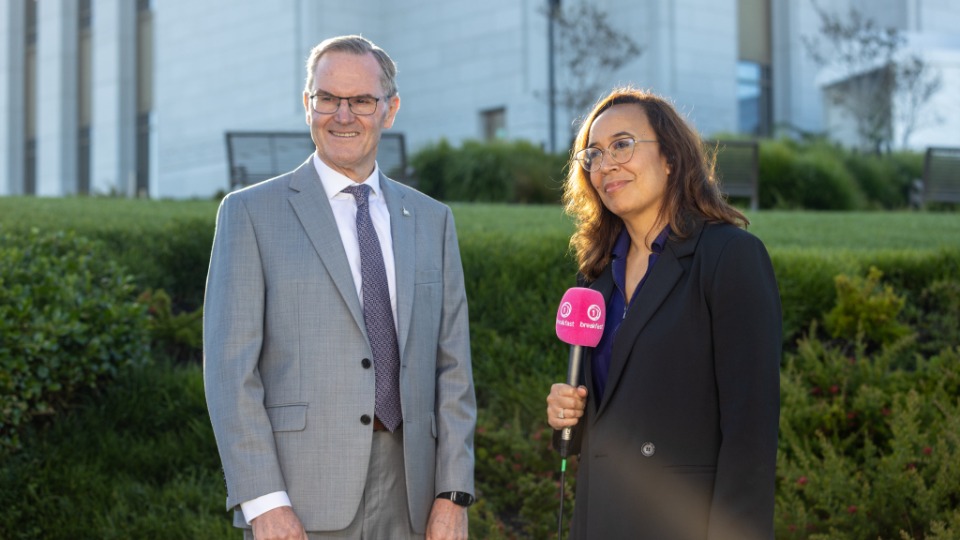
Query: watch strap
[459, 498]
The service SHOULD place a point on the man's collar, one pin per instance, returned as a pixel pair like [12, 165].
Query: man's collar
[334, 182]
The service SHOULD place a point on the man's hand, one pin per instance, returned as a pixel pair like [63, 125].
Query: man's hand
[448, 521]
[281, 523]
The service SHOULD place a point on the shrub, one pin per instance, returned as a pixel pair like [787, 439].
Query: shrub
[868, 450]
[808, 290]
[178, 336]
[883, 181]
[817, 175]
[176, 260]
[866, 309]
[936, 316]
[779, 187]
[68, 319]
[135, 460]
[824, 183]
[515, 172]
[869, 427]
[431, 168]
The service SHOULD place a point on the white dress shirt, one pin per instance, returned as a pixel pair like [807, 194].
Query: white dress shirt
[345, 213]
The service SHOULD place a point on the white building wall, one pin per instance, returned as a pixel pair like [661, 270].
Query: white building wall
[238, 65]
[12, 29]
[463, 58]
[113, 126]
[797, 102]
[220, 65]
[57, 100]
[706, 64]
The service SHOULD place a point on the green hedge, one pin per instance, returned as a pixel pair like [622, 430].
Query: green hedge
[136, 460]
[514, 282]
[514, 172]
[68, 319]
[814, 175]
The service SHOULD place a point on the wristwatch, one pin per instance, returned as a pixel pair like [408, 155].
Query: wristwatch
[458, 497]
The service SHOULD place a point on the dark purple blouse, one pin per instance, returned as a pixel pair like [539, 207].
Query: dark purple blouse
[617, 305]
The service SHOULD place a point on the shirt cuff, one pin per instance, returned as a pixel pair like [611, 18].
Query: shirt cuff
[261, 505]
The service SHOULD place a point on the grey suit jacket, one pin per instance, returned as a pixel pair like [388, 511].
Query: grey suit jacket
[284, 340]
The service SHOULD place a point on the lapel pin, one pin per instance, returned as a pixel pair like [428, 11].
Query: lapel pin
[405, 212]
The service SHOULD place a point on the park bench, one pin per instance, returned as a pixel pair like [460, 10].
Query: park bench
[738, 168]
[941, 175]
[254, 156]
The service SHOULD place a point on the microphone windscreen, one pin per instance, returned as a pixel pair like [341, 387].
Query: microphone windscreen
[581, 317]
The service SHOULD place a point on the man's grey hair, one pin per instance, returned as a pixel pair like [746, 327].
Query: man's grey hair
[358, 45]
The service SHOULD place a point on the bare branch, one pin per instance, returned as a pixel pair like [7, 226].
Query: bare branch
[866, 61]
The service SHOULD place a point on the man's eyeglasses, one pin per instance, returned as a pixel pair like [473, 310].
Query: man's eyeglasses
[325, 103]
[620, 151]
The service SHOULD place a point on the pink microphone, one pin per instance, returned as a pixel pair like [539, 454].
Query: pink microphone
[581, 316]
[580, 320]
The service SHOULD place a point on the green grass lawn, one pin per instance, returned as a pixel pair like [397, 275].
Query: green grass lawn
[778, 229]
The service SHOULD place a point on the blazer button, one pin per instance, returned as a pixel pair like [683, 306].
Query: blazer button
[365, 363]
[648, 449]
[365, 419]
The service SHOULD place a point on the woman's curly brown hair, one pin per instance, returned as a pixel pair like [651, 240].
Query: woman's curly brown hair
[692, 193]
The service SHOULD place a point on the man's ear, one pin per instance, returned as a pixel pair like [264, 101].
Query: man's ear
[393, 105]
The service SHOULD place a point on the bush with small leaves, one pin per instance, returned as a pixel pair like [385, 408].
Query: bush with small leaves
[865, 306]
[68, 319]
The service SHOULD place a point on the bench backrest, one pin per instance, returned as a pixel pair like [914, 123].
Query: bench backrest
[256, 156]
[941, 175]
[738, 168]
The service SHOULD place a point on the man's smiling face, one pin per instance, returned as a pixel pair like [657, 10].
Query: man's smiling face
[345, 141]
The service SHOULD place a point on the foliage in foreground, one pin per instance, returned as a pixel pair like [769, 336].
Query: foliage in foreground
[135, 460]
[68, 320]
[512, 281]
[870, 426]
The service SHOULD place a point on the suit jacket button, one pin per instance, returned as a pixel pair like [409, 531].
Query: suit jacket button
[365, 363]
[648, 449]
[365, 419]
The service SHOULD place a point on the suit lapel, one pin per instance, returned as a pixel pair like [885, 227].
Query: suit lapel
[312, 207]
[605, 285]
[403, 228]
[663, 277]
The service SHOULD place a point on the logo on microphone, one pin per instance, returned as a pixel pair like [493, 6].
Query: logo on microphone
[594, 312]
[565, 309]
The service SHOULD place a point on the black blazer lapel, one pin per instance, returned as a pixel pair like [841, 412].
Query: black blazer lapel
[605, 285]
[662, 279]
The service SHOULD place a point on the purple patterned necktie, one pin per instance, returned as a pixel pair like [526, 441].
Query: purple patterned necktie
[378, 313]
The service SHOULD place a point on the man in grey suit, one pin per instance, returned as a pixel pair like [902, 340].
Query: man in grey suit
[336, 338]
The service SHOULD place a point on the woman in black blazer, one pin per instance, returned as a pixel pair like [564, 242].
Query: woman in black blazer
[676, 423]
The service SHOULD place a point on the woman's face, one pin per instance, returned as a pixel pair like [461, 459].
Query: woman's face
[635, 189]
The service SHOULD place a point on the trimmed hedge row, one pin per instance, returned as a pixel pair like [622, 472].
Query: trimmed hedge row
[814, 175]
[68, 319]
[513, 172]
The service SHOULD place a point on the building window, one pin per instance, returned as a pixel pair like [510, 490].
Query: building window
[754, 105]
[494, 124]
[30, 101]
[753, 99]
[144, 96]
[31, 22]
[84, 97]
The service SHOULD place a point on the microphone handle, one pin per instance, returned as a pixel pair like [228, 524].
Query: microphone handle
[573, 376]
[573, 366]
